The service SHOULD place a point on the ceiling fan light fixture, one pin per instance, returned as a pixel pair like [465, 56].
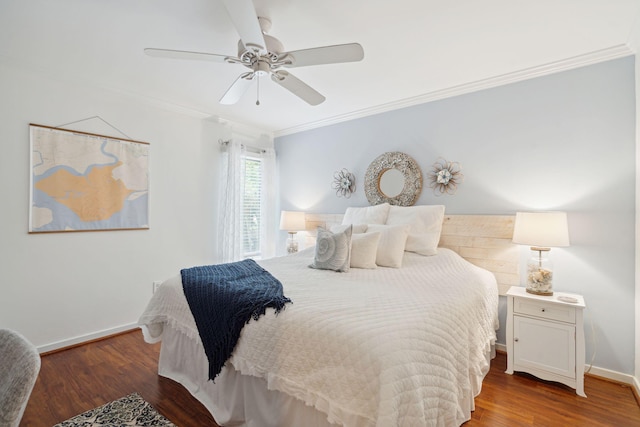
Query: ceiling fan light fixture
[262, 68]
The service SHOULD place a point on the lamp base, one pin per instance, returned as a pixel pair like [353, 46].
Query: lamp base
[292, 244]
[539, 272]
[544, 293]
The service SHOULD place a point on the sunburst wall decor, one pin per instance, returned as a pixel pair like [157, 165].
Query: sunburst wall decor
[344, 182]
[445, 177]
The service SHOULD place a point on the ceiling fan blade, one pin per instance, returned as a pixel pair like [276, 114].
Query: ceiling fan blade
[297, 87]
[245, 19]
[350, 52]
[184, 54]
[237, 89]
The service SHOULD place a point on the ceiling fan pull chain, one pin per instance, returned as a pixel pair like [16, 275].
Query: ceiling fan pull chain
[258, 94]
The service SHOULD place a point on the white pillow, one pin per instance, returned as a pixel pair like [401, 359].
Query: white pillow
[425, 226]
[364, 250]
[391, 245]
[369, 215]
[356, 228]
[333, 251]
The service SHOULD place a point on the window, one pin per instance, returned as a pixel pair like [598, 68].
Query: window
[251, 207]
[246, 226]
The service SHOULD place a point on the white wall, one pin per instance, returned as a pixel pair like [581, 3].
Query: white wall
[564, 141]
[634, 42]
[637, 234]
[60, 287]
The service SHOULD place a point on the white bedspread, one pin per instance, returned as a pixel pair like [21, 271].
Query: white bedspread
[383, 347]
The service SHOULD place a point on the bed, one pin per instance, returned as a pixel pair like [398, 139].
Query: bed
[404, 346]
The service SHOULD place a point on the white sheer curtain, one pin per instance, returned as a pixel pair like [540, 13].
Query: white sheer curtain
[268, 204]
[231, 193]
[230, 231]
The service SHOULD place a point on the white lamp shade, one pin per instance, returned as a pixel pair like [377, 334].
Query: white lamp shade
[292, 221]
[542, 229]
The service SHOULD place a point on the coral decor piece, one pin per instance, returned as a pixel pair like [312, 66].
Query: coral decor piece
[344, 182]
[445, 177]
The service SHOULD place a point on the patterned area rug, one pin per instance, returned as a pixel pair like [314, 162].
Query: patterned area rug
[131, 410]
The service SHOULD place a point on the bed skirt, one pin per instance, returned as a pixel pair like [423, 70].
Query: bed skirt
[235, 399]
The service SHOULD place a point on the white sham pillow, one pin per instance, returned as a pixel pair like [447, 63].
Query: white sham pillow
[356, 228]
[364, 250]
[333, 250]
[425, 224]
[369, 215]
[391, 245]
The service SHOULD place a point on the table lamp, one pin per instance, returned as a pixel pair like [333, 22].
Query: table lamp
[541, 231]
[292, 222]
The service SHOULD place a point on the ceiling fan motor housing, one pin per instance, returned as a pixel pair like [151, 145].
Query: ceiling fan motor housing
[273, 49]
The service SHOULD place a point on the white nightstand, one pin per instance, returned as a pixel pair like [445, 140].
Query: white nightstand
[545, 337]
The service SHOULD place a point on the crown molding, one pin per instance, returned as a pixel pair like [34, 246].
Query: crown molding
[590, 58]
[614, 52]
[243, 129]
[23, 65]
[634, 35]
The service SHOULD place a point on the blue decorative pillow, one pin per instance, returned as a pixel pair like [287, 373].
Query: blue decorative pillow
[333, 250]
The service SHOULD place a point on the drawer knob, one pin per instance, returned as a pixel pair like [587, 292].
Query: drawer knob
[516, 339]
[543, 310]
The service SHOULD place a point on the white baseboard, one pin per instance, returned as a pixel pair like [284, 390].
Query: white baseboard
[84, 338]
[614, 376]
[600, 372]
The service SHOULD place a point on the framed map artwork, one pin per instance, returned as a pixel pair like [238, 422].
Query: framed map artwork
[87, 182]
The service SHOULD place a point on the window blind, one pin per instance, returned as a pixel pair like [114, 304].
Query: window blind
[251, 207]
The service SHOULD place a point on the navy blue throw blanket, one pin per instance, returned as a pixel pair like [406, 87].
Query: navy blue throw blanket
[223, 298]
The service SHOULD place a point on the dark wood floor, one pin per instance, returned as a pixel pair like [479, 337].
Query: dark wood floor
[81, 378]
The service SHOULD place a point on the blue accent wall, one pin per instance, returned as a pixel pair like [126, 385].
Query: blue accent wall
[560, 142]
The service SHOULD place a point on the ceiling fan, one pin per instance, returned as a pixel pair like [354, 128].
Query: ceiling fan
[264, 55]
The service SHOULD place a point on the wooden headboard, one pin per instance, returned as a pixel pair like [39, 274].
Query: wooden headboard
[483, 240]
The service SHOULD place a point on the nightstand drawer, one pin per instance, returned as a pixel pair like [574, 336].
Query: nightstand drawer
[545, 310]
